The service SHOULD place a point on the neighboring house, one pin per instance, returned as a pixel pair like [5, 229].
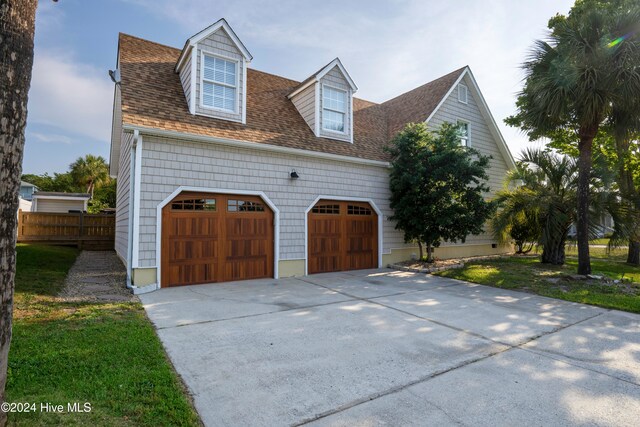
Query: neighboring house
[229, 173]
[49, 201]
[27, 190]
[605, 227]
[24, 205]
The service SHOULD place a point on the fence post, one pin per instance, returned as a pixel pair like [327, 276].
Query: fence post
[81, 231]
[19, 222]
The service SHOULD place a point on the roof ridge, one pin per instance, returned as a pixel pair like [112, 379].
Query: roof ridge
[120, 34]
[425, 84]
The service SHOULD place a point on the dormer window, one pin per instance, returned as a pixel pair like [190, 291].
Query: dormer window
[219, 83]
[333, 109]
[325, 102]
[213, 73]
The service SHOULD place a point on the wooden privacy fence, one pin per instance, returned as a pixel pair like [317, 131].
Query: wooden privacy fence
[87, 231]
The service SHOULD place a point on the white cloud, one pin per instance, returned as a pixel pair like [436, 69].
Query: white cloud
[73, 97]
[50, 138]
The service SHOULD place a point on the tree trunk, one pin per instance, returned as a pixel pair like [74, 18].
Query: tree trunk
[429, 253]
[421, 251]
[553, 254]
[17, 26]
[633, 257]
[584, 175]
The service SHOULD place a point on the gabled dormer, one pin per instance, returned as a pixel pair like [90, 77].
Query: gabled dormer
[213, 73]
[325, 101]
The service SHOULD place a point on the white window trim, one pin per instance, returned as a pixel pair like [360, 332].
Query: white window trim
[466, 93]
[458, 121]
[346, 113]
[236, 109]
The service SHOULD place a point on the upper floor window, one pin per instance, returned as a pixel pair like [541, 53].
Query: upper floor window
[333, 109]
[463, 129]
[463, 93]
[219, 83]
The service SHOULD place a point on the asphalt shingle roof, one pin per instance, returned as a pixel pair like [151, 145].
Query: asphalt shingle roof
[152, 96]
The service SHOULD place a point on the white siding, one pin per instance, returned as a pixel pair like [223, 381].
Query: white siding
[57, 205]
[335, 79]
[185, 79]
[305, 102]
[219, 43]
[122, 197]
[480, 138]
[168, 164]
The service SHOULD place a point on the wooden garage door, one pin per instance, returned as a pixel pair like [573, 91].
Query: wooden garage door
[342, 236]
[216, 238]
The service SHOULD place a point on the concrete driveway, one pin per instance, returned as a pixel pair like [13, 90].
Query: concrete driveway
[381, 347]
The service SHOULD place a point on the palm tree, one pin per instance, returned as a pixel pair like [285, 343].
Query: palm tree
[89, 171]
[571, 82]
[543, 194]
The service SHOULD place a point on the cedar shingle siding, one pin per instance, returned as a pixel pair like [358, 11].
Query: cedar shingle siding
[154, 96]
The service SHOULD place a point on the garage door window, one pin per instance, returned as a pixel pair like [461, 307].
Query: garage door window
[194, 205]
[358, 210]
[235, 205]
[326, 209]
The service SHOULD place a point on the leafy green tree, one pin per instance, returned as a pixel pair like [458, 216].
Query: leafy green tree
[437, 187]
[571, 84]
[106, 194]
[58, 182]
[89, 171]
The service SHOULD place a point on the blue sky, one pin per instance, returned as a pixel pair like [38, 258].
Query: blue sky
[388, 47]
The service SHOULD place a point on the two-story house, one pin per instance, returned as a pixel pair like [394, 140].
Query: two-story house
[229, 173]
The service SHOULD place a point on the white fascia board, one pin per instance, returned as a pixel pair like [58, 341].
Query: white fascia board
[493, 126]
[303, 87]
[185, 51]
[62, 197]
[253, 145]
[322, 73]
[486, 113]
[329, 67]
[222, 23]
[446, 96]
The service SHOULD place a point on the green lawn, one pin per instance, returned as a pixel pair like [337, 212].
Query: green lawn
[104, 354]
[528, 274]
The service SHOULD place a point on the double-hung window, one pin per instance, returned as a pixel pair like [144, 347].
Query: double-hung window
[463, 130]
[333, 109]
[219, 83]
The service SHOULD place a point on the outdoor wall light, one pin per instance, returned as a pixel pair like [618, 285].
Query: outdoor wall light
[293, 174]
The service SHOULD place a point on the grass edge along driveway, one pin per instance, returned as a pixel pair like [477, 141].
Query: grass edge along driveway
[529, 275]
[106, 354]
